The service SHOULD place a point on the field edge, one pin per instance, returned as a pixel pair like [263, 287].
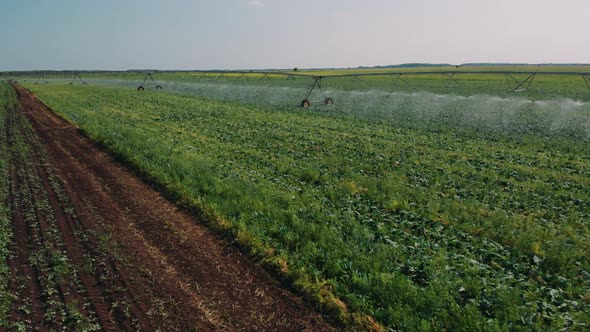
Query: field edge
[316, 292]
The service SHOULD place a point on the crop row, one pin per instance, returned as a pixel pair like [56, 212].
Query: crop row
[5, 227]
[45, 289]
[421, 226]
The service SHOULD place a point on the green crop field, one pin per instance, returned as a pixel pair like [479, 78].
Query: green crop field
[424, 211]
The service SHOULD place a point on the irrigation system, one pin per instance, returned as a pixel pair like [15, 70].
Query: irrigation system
[76, 77]
[147, 78]
[517, 81]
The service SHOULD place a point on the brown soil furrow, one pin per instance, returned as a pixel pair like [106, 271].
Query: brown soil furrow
[90, 219]
[39, 229]
[91, 215]
[101, 295]
[74, 251]
[49, 217]
[24, 279]
[206, 283]
[28, 307]
[36, 217]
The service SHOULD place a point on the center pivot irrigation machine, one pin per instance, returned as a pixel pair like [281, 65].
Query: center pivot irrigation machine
[317, 82]
[76, 76]
[145, 79]
[467, 81]
[515, 81]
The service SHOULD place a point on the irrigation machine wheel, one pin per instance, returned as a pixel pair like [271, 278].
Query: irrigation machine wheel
[140, 88]
[305, 103]
[329, 101]
[158, 87]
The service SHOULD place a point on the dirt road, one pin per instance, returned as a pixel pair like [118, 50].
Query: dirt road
[96, 247]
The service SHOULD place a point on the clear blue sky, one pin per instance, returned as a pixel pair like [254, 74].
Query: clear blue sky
[232, 34]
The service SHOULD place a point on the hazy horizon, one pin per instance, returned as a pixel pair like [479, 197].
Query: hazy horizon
[401, 65]
[278, 34]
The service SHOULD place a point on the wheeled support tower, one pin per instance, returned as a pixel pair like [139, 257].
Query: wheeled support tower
[145, 79]
[317, 83]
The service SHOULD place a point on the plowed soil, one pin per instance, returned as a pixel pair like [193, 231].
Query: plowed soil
[135, 260]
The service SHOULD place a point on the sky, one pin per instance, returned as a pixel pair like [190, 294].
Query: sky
[268, 34]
